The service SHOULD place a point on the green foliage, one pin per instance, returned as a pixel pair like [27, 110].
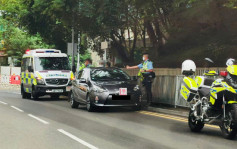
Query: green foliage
[17, 41]
[163, 27]
[83, 57]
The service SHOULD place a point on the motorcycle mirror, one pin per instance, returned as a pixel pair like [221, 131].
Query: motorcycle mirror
[223, 73]
[209, 60]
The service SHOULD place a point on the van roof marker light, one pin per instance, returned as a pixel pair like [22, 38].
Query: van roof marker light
[27, 51]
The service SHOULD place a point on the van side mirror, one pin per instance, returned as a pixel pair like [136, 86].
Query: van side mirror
[30, 69]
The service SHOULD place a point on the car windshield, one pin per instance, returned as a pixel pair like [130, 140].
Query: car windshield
[108, 75]
[51, 63]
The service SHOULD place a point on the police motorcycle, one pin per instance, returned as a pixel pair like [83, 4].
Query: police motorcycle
[212, 99]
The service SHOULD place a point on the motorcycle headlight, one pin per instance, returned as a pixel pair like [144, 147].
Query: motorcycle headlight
[40, 81]
[99, 89]
[136, 88]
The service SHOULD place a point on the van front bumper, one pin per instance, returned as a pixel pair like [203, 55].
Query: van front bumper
[45, 90]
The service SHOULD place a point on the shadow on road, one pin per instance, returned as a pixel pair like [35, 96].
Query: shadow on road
[83, 107]
[211, 132]
[48, 98]
[109, 109]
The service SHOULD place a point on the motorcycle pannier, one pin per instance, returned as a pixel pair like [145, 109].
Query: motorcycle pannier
[189, 89]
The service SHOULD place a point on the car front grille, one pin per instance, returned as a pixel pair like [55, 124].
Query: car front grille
[56, 81]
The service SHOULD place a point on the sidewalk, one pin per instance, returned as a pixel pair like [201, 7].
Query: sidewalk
[159, 108]
[9, 87]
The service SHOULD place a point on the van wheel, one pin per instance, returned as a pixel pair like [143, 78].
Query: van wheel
[74, 104]
[34, 94]
[23, 93]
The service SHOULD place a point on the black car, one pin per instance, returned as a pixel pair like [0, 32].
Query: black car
[104, 87]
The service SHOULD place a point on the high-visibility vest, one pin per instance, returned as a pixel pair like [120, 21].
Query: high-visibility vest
[144, 67]
[84, 66]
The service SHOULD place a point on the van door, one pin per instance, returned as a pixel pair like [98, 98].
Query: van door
[27, 75]
[31, 73]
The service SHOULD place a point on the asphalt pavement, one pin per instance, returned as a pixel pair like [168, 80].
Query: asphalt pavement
[52, 124]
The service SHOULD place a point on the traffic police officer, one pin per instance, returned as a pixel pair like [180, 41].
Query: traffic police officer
[87, 64]
[146, 68]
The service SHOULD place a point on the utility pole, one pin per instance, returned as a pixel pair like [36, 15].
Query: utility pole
[73, 57]
[79, 46]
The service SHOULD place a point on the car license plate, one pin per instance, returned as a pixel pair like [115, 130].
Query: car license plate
[123, 92]
[55, 91]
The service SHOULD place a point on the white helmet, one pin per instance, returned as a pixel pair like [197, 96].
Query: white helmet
[230, 62]
[188, 67]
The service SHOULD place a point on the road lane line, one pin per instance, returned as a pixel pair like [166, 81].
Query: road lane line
[77, 139]
[17, 109]
[172, 118]
[3, 103]
[164, 116]
[42, 121]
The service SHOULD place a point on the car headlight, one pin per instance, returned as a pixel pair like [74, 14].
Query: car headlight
[136, 88]
[40, 81]
[99, 89]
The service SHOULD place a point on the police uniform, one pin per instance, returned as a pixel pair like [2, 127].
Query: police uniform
[146, 79]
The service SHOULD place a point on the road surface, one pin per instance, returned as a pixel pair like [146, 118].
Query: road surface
[52, 124]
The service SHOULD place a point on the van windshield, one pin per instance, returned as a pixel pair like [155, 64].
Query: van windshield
[51, 63]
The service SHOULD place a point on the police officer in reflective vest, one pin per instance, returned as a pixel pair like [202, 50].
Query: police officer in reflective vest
[87, 64]
[146, 68]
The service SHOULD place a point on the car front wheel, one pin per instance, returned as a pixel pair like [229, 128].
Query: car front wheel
[89, 106]
[74, 104]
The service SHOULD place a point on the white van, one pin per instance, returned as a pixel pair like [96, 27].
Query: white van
[45, 72]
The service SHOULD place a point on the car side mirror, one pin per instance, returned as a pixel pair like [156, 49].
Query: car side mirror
[30, 69]
[82, 80]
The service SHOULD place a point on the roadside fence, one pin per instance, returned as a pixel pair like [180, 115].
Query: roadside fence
[166, 86]
[7, 74]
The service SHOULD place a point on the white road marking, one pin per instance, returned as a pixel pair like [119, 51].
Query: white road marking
[17, 109]
[42, 121]
[77, 139]
[3, 103]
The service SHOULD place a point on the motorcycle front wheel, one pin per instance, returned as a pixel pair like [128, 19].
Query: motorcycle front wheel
[194, 125]
[229, 124]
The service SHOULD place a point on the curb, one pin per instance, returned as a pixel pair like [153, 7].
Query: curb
[167, 111]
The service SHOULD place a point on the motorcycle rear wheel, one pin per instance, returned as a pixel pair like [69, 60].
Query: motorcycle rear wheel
[194, 125]
[229, 125]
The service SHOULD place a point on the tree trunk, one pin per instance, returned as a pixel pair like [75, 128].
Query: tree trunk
[152, 36]
[134, 44]
[120, 49]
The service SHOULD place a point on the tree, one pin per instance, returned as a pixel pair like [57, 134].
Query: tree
[16, 37]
